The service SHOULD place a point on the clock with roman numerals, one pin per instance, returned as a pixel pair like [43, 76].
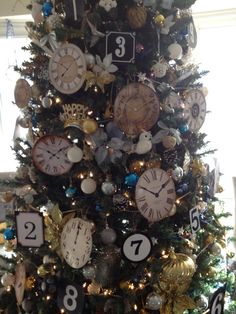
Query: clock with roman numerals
[49, 155]
[66, 67]
[155, 194]
[195, 109]
[76, 242]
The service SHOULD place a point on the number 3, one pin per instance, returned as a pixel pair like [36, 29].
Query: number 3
[120, 52]
[69, 299]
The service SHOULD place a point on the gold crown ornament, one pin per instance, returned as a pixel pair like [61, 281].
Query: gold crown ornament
[78, 115]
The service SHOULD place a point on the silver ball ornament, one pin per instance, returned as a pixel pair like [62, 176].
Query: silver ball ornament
[108, 188]
[89, 272]
[7, 279]
[75, 154]
[216, 249]
[108, 236]
[153, 301]
[46, 102]
[177, 174]
[201, 302]
[175, 51]
[88, 186]
[90, 60]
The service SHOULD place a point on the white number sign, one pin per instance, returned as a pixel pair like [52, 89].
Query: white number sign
[29, 228]
[137, 247]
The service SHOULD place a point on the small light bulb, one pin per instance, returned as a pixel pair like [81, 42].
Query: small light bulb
[48, 297]
[135, 307]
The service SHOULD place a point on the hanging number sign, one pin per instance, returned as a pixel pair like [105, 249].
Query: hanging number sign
[121, 45]
[29, 228]
[137, 247]
[217, 301]
[70, 297]
[194, 220]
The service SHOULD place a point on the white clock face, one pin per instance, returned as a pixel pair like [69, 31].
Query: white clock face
[137, 247]
[195, 109]
[76, 242]
[50, 155]
[155, 194]
[66, 67]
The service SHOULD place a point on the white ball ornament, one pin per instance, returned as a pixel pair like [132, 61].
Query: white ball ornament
[175, 51]
[177, 174]
[88, 186]
[159, 69]
[75, 154]
[8, 279]
[46, 102]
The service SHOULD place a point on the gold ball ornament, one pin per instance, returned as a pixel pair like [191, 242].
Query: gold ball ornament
[211, 271]
[137, 166]
[94, 288]
[7, 196]
[30, 283]
[159, 19]
[137, 16]
[177, 272]
[89, 126]
[169, 142]
[44, 270]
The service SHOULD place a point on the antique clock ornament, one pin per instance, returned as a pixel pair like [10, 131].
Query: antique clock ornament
[76, 242]
[195, 109]
[49, 155]
[155, 194]
[66, 67]
[136, 108]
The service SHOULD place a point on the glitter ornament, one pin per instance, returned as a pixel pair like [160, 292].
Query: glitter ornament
[88, 186]
[94, 288]
[89, 126]
[9, 234]
[131, 179]
[108, 187]
[175, 51]
[7, 279]
[75, 154]
[153, 301]
[71, 191]
[159, 19]
[159, 69]
[136, 16]
[108, 236]
[47, 8]
[89, 272]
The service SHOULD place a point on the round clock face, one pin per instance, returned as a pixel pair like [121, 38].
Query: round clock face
[50, 155]
[76, 242]
[195, 109]
[22, 93]
[66, 67]
[155, 194]
[136, 108]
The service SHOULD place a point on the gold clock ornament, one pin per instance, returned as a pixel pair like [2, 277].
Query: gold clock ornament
[66, 67]
[195, 109]
[136, 108]
[155, 194]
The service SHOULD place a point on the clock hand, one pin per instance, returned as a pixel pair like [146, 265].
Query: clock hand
[67, 69]
[162, 187]
[142, 187]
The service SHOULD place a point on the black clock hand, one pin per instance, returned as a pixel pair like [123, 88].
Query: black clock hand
[77, 234]
[162, 187]
[142, 187]
[67, 69]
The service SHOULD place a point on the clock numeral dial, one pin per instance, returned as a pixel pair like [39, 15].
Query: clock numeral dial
[50, 155]
[195, 109]
[155, 194]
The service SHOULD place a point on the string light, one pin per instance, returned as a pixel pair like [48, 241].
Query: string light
[48, 297]
[135, 307]
[131, 286]
[62, 311]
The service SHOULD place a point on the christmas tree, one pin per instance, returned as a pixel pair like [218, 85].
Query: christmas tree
[115, 210]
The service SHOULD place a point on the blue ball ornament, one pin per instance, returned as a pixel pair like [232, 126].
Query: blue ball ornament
[182, 188]
[71, 191]
[9, 234]
[47, 8]
[183, 128]
[98, 208]
[131, 179]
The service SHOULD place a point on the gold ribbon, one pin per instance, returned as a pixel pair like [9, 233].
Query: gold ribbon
[100, 79]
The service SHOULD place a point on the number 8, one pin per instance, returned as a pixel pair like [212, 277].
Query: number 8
[71, 294]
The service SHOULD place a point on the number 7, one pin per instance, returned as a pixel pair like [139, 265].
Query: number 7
[138, 242]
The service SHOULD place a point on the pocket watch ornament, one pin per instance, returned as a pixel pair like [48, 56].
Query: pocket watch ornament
[22, 93]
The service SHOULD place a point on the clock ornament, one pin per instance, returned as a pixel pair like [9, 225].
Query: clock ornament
[76, 242]
[66, 67]
[49, 155]
[136, 108]
[195, 109]
[155, 194]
